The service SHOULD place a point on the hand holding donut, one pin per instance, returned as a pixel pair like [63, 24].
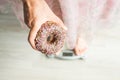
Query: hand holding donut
[37, 14]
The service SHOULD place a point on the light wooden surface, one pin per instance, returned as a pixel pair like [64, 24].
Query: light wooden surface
[18, 61]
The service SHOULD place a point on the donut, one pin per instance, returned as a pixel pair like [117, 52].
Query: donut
[50, 38]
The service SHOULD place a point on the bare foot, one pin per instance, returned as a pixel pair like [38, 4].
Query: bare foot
[80, 46]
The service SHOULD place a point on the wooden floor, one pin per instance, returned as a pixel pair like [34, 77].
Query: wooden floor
[18, 61]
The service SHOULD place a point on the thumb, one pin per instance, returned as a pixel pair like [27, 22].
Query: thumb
[32, 36]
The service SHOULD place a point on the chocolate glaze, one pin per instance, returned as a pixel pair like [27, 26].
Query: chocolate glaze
[50, 38]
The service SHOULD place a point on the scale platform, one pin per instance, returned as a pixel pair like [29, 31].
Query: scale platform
[66, 55]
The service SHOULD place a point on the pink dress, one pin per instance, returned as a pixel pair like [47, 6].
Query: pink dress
[81, 17]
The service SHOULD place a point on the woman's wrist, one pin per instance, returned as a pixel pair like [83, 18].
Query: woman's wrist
[31, 9]
[33, 2]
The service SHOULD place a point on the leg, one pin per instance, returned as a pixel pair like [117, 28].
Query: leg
[70, 12]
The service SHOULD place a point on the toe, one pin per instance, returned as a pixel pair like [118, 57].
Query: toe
[80, 47]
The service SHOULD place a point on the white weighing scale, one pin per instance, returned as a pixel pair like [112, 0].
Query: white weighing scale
[66, 55]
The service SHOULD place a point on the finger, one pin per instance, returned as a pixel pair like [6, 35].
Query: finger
[31, 39]
[62, 25]
[32, 36]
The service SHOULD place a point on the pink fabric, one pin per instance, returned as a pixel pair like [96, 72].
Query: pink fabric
[3, 3]
[80, 16]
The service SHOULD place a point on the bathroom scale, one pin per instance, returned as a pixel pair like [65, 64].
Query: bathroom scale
[66, 55]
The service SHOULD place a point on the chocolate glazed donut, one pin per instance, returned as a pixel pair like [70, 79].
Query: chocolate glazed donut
[50, 38]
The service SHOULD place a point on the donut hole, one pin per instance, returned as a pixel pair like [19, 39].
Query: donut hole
[51, 38]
